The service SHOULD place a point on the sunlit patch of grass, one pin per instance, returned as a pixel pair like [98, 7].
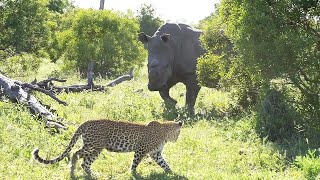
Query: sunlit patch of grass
[206, 149]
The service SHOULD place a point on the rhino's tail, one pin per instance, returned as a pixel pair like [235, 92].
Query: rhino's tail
[73, 141]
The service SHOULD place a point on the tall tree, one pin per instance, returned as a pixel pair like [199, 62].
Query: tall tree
[59, 6]
[101, 5]
[272, 39]
[148, 20]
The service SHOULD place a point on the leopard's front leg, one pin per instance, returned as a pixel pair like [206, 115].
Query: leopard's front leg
[138, 156]
[157, 157]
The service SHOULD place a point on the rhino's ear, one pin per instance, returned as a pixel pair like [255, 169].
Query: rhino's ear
[143, 37]
[165, 37]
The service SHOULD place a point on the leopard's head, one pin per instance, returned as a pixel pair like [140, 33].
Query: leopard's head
[174, 131]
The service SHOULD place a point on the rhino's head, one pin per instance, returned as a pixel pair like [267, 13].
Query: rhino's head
[160, 59]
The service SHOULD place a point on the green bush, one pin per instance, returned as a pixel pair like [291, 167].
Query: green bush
[279, 40]
[277, 119]
[310, 164]
[53, 47]
[271, 40]
[208, 70]
[223, 66]
[104, 37]
[20, 65]
[23, 25]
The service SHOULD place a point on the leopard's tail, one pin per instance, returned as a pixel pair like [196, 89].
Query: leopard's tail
[73, 141]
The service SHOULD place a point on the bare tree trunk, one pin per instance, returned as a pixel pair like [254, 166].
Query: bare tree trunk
[90, 74]
[101, 5]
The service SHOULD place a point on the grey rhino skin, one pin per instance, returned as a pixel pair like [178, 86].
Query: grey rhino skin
[172, 57]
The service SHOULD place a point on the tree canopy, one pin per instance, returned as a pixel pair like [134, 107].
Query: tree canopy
[269, 40]
[91, 37]
[23, 25]
[149, 22]
[57, 30]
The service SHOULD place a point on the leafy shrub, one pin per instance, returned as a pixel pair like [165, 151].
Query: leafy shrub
[277, 120]
[270, 40]
[23, 25]
[273, 42]
[20, 65]
[208, 70]
[104, 37]
[310, 164]
[223, 67]
[53, 47]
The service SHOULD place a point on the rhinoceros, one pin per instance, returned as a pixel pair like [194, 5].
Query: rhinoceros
[172, 57]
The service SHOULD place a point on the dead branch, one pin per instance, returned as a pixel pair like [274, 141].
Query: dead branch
[46, 84]
[77, 88]
[120, 79]
[14, 91]
[49, 86]
[37, 88]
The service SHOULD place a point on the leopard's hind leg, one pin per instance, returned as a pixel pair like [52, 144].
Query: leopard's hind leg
[88, 159]
[88, 156]
[75, 157]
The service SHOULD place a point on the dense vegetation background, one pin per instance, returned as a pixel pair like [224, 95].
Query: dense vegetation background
[257, 118]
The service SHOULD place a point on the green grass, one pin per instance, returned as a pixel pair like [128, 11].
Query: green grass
[208, 148]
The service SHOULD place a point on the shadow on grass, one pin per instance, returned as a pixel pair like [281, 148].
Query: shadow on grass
[183, 114]
[86, 177]
[172, 112]
[153, 176]
[79, 177]
[160, 176]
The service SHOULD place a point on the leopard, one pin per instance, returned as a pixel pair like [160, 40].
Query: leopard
[118, 136]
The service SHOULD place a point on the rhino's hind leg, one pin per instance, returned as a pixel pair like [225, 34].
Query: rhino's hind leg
[191, 96]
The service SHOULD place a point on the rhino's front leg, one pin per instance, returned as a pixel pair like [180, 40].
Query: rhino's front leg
[164, 93]
[167, 99]
[192, 92]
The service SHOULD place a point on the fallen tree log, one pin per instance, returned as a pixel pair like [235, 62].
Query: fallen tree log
[14, 91]
[46, 84]
[77, 88]
[20, 92]
[49, 85]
